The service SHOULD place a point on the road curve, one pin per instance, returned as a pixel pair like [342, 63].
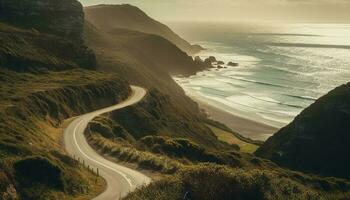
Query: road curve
[120, 180]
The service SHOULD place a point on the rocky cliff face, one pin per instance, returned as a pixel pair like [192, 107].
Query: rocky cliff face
[318, 140]
[48, 35]
[61, 17]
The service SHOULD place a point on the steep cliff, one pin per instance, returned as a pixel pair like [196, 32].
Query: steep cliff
[318, 140]
[132, 18]
[156, 52]
[43, 35]
[62, 17]
[30, 51]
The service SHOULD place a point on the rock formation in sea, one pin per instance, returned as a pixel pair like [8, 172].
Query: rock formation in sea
[220, 62]
[233, 64]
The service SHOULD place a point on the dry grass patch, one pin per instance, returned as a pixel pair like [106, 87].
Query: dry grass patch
[230, 138]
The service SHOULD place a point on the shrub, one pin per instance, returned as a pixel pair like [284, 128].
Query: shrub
[211, 182]
[185, 148]
[38, 170]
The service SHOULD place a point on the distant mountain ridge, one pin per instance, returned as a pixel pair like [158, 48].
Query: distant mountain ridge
[130, 17]
[318, 140]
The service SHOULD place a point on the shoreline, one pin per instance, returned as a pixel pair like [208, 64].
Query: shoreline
[246, 127]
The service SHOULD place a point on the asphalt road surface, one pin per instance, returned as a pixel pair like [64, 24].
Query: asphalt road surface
[120, 180]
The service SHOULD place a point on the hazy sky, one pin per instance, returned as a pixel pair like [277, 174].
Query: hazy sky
[240, 10]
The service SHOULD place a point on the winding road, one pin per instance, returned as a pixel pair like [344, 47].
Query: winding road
[120, 180]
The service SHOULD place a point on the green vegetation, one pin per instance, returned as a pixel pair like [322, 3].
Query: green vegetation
[240, 137]
[38, 170]
[186, 149]
[124, 152]
[32, 109]
[230, 138]
[208, 182]
[31, 51]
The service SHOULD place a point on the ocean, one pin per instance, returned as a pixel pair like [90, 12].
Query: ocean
[283, 68]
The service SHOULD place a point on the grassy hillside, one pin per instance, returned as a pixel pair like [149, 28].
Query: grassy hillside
[161, 149]
[44, 81]
[132, 18]
[318, 140]
[32, 109]
[31, 51]
[154, 126]
[143, 50]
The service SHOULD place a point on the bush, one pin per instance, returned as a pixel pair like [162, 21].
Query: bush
[104, 130]
[38, 170]
[126, 153]
[185, 148]
[178, 147]
[212, 182]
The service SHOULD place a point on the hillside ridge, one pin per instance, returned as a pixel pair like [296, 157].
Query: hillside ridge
[133, 18]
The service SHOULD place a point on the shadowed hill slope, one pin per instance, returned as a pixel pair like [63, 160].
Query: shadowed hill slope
[61, 17]
[110, 17]
[25, 51]
[48, 35]
[318, 140]
[118, 53]
[157, 52]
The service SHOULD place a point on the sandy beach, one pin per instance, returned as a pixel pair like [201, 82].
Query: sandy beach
[245, 127]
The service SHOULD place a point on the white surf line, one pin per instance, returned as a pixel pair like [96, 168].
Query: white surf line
[93, 160]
